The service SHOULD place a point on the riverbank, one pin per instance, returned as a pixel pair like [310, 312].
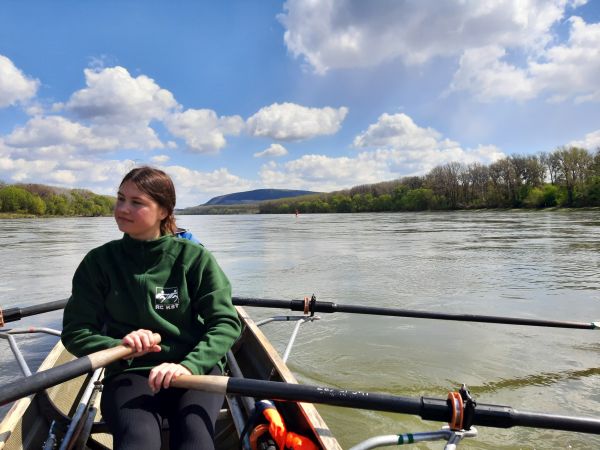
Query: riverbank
[244, 210]
[18, 216]
[5, 215]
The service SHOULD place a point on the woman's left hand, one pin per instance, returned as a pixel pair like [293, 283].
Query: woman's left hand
[162, 375]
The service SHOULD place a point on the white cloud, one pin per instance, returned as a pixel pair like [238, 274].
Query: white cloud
[399, 131]
[51, 131]
[274, 150]
[333, 34]
[506, 49]
[591, 141]
[34, 109]
[114, 112]
[202, 130]
[133, 135]
[562, 71]
[120, 107]
[100, 176]
[292, 122]
[409, 162]
[4, 150]
[324, 173]
[14, 85]
[103, 176]
[195, 187]
[482, 72]
[572, 69]
[160, 159]
[408, 149]
[62, 177]
[19, 170]
[113, 95]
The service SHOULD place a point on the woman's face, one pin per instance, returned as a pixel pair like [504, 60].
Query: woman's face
[137, 214]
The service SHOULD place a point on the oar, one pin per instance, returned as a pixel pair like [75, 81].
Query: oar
[330, 307]
[427, 408]
[56, 375]
[16, 313]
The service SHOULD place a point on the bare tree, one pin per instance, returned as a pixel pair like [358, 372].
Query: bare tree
[575, 164]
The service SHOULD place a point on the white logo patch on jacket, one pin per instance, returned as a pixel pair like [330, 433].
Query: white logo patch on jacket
[166, 298]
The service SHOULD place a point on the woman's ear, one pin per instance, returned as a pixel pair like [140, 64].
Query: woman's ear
[163, 213]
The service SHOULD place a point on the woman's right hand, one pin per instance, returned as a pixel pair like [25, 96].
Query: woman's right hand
[142, 341]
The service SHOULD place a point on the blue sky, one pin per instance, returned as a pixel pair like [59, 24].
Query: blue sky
[322, 95]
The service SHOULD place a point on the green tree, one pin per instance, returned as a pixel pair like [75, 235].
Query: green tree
[11, 198]
[57, 205]
[362, 202]
[36, 205]
[542, 197]
[342, 204]
[15, 199]
[397, 196]
[382, 203]
[418, 200]
[592, 192]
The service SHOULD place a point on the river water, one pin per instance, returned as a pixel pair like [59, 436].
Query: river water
[530, 264]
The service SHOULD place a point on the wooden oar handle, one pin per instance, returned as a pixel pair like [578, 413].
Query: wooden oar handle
[105, 357]
[206, 383]
[56, 375]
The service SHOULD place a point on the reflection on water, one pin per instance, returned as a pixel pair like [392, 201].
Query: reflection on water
[542, 379]
[523, 264]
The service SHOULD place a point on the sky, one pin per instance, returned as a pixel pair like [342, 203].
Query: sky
[321, 95]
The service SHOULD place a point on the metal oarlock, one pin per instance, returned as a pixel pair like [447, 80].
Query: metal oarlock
[462, 406]
[299, 321]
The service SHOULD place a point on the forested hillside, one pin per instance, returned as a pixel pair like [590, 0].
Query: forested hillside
[567, 177]
[40, 200]
[255, 196]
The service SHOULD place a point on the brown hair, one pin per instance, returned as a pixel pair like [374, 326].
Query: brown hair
[159, 186]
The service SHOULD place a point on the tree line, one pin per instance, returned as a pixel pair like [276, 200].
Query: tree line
[566, 177]
[42, 200]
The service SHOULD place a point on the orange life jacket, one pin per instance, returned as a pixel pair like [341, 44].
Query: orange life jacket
[285, 440]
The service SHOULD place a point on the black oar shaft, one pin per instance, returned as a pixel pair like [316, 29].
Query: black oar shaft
[330, 307]
[16, 313]
[427, 408]
[461, 317]
[45, 379]
[56, 375]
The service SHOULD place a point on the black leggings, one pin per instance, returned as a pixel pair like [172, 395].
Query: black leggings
[134, 414]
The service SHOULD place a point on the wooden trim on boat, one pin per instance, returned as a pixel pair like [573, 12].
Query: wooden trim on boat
[18, 409]
[309, 411]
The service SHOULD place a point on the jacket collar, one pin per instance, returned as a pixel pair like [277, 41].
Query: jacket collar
[146, 251]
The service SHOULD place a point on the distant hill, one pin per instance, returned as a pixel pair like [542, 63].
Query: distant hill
[257, 195]
[242, 202]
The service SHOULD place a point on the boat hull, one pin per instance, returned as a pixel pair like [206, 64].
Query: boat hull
[26, 425]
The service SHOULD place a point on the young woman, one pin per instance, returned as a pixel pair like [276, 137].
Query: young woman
[151, 281]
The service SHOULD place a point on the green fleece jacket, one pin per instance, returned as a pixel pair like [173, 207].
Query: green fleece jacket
[170, 286]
